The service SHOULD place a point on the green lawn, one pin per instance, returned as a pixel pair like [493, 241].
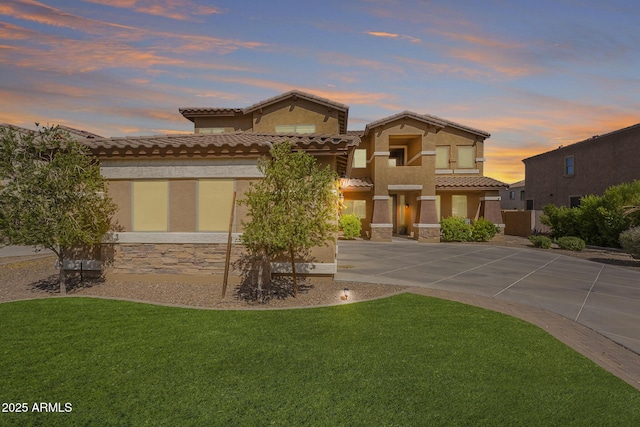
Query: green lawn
[406, 360]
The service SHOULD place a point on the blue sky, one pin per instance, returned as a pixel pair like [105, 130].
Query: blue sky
[535, 74]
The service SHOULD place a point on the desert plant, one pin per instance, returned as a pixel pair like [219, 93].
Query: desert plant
[630, 241]
[571, 243]
[455, 229]
[483, 230]
[350, 225]
[540, 241]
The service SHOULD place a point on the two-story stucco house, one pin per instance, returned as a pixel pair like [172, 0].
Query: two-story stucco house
[175, 193]
[418, 169]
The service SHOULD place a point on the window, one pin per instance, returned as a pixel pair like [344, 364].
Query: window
[574, 201]
[521, 194]
[512, 195]
[529, 205]
[214, 204]
[358, 207]
[396, 156]
[442, 157]
[466, 157]
[568, 165]
[360, 158]
[150, 205]
[295, 128]
[459, 206]
[210, 130]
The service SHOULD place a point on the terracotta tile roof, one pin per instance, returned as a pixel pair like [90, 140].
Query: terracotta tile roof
[16, 129]
[234, 139]
[76, 134]
[425, 118]
[79, 133]
[191, 112]
[356, 183]
[358, 133]
[469, 183]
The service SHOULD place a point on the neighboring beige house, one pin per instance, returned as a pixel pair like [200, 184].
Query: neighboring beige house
[402, 174]
[564, 175]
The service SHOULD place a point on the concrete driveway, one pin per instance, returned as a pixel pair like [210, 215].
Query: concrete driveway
[602, 297]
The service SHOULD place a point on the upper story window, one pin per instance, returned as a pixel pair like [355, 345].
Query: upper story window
[397, 156]
[512, 195]
[442, 157]
[360, 158]
[466, 157]
[210, 130]
[569, 166]
[295, 128]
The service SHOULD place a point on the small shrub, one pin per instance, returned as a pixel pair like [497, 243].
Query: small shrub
[350, 225]
[571, 243]
[483, 230]
[455, 229]
[630, 241]
[540, 241]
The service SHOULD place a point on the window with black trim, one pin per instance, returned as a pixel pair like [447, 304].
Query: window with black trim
[574, 201]
[569, 165]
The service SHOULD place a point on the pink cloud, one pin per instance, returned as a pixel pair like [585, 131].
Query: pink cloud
[34, 11]
[174, 9]
[393, 36]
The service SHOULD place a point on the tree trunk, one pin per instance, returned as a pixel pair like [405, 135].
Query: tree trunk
[264, 274]
[293, 270]
[63, 287]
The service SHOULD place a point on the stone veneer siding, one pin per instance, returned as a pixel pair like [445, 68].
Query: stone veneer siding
[201, 259]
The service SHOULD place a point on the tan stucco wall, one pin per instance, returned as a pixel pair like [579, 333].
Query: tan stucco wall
[418, 137]
[454, 138]
[230, 124]
[242, 185]
[182, 209]
[299, 112]
[120, 193]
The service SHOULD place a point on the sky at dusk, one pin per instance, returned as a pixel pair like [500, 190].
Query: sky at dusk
[534, 74]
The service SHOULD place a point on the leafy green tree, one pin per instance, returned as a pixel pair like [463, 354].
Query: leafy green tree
[292, 209]
[598, 220]
[52, 194]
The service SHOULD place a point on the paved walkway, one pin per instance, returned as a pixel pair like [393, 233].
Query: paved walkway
[569, 297]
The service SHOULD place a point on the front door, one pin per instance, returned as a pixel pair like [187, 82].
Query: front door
[399, 214]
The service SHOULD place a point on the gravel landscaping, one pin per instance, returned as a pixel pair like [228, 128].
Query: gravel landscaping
[37, 278]
[29, 277]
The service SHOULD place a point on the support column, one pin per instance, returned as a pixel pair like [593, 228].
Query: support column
[428, 227]
[381, 226]
[490, 210]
